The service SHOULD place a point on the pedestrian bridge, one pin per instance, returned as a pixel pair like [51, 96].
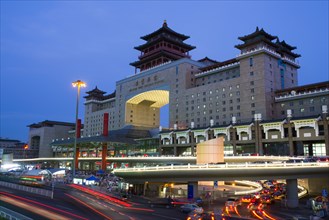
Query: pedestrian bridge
[223, 172]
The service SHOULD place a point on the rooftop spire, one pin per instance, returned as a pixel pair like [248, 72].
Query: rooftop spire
[164, 23]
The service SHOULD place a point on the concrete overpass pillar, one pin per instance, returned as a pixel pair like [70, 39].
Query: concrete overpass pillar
[292, 193]
[192, 190]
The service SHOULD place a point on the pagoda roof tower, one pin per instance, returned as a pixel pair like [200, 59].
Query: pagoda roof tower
[95, 94]
[283, 47]
[163, 45]
[256, 37]
[259, 36]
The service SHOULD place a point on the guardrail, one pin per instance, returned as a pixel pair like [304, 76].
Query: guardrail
[224, 166]
[11, 215]
[39, 191]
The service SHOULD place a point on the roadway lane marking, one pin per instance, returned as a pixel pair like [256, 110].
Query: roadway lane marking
[166, 217]
[63, 207]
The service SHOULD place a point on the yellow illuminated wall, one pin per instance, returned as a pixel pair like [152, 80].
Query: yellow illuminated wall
[144, 108]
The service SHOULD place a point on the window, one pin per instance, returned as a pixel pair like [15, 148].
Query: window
[252, 104]
[251, 73]
[251, 61]
[252, 83]
[252, 90]
[301, 102]
[312, 109]
[282, 78]
[302, 110]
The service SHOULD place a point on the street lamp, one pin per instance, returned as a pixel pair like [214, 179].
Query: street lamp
[78, 84]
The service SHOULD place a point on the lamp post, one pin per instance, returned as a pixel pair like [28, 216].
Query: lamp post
[78, 84]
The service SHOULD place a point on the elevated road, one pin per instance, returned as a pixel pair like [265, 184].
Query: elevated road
[223, 172]
[157, 159]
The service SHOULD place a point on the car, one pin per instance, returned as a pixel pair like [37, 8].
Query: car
[278, 195]
[162, 202]
[191, 207]
[246, 198]
[255, 204]
[266, 199]
[232, 203]
[206, 216]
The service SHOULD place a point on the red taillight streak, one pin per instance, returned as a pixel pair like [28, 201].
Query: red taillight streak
[112, 199]
[41, 204]
[141, 209]
[85, 204]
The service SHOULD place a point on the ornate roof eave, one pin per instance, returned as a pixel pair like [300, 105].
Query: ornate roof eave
[284, 44]
[180, 43]
[208, 59]
[283, 50]
[241, 46]
[219, 64]
[164, 28]
[96, 91]
[257, 33]
[162, 52]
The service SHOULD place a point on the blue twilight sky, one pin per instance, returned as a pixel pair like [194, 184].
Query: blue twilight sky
[46, 45]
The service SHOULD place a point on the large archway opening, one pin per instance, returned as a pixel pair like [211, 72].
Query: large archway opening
[144, 109]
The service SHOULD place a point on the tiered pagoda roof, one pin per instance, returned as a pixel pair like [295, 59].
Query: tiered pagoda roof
[286, 48]
[164, 29]
[260, 35]
[97, 94]
[255, 37]
[162, 45]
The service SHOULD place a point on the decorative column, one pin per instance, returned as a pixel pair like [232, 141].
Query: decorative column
[105, 134]
[290, 137]
[258, 134]
[78, 132]
[292, 193]
[325, 127]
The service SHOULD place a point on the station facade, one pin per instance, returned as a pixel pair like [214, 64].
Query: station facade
[253, 99]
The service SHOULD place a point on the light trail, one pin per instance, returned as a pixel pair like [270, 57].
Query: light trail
[109, 198]
[90, 207]
[43, 205]
[255, 214]
[266, 215]
[33, 208]
[236, 211]
[106, 197]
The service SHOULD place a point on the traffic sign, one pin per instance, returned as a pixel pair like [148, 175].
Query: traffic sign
[215, 184]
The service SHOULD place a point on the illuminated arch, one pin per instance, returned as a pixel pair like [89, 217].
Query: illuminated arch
[144, 108]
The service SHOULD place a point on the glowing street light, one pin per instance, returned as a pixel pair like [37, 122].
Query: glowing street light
[78, 84]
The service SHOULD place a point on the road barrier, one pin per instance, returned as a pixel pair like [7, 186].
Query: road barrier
[29, 189]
